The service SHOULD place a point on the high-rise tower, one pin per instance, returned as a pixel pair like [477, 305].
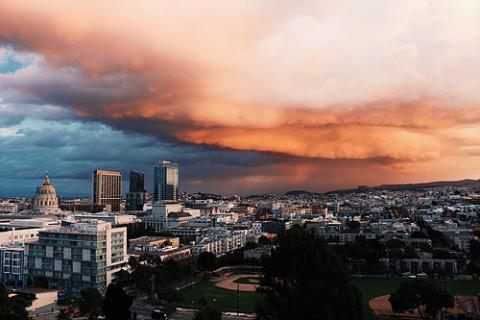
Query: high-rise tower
[107, 188]
[137, 181]
[166, 181]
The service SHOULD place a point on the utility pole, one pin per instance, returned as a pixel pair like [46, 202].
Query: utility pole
[153, 286]
[238, 299]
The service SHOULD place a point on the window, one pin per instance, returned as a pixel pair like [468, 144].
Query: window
[67, 253]
[76, 267]
[49, 252]
[38, 263]
[85, 254]
[58, 265]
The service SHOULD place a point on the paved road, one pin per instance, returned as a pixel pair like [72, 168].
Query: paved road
[186, 314]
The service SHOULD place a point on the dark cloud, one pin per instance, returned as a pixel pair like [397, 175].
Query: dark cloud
[272, 105]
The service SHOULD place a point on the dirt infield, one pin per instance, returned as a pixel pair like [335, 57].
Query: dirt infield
[463, 305]
[228, 282]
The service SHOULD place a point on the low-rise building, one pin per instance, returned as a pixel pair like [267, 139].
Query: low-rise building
[12, 262]
[74, 257]
[221, 241]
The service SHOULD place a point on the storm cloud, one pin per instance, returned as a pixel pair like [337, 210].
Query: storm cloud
[256, 88]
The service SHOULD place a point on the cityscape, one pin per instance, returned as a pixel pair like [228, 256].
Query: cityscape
[239, 160]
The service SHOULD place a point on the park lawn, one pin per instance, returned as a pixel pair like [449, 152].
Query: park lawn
[247, 280]
[225, 300]
[374, 287]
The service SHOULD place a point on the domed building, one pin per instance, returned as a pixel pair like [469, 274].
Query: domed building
[45, 200]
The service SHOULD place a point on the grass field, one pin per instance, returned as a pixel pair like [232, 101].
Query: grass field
[374, 287]
[226, 300]
[247, 280]
[223, 299]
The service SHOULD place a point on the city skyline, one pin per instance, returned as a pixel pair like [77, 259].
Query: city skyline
[246, 98]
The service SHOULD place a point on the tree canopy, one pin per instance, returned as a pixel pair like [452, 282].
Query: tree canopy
[117, 303]
[11, 308]
[305, 279]
[207, 261]
[206, 311]
[90, 303]
[422, 295]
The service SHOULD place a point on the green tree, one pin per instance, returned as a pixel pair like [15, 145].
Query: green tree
[123, 278]
[305, 279]
[133, 263]
[90, 303]
[11, 308]
[206, 311]
[422, 295]
[117, 303]
[207, 261]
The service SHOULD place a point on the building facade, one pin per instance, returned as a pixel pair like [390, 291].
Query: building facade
[107, 188]
[8, 207]
[45, 200]
[137, 181]
[220, 241]
[136, 200]
[12, 271]
[166, 181]
[137, 195]
[71, 258]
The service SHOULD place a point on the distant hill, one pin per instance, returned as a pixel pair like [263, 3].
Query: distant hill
[466, 183]
[297, 193]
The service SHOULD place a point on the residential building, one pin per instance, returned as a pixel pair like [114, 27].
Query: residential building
[8, 207]
[12, 272]
[220, 241]
[163, 247]
[21, 235]
[167, 215]
[77, 256]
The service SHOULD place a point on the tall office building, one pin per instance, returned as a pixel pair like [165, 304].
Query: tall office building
[137, 181]
[85, 254]
[137, 195]
[166, 181]
[107, 188]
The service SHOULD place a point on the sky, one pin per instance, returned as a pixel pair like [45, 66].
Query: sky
[250, 96]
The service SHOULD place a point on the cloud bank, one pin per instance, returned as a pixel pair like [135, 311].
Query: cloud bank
[393, 85]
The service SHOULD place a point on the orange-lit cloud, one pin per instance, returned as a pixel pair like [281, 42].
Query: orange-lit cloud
[391, 81]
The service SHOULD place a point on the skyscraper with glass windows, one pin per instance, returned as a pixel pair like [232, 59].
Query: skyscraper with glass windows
[137, 181]
[137, 195]
[166, 181]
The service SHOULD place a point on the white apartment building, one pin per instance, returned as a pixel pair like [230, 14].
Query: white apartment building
[220, 241]
[81, 255]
